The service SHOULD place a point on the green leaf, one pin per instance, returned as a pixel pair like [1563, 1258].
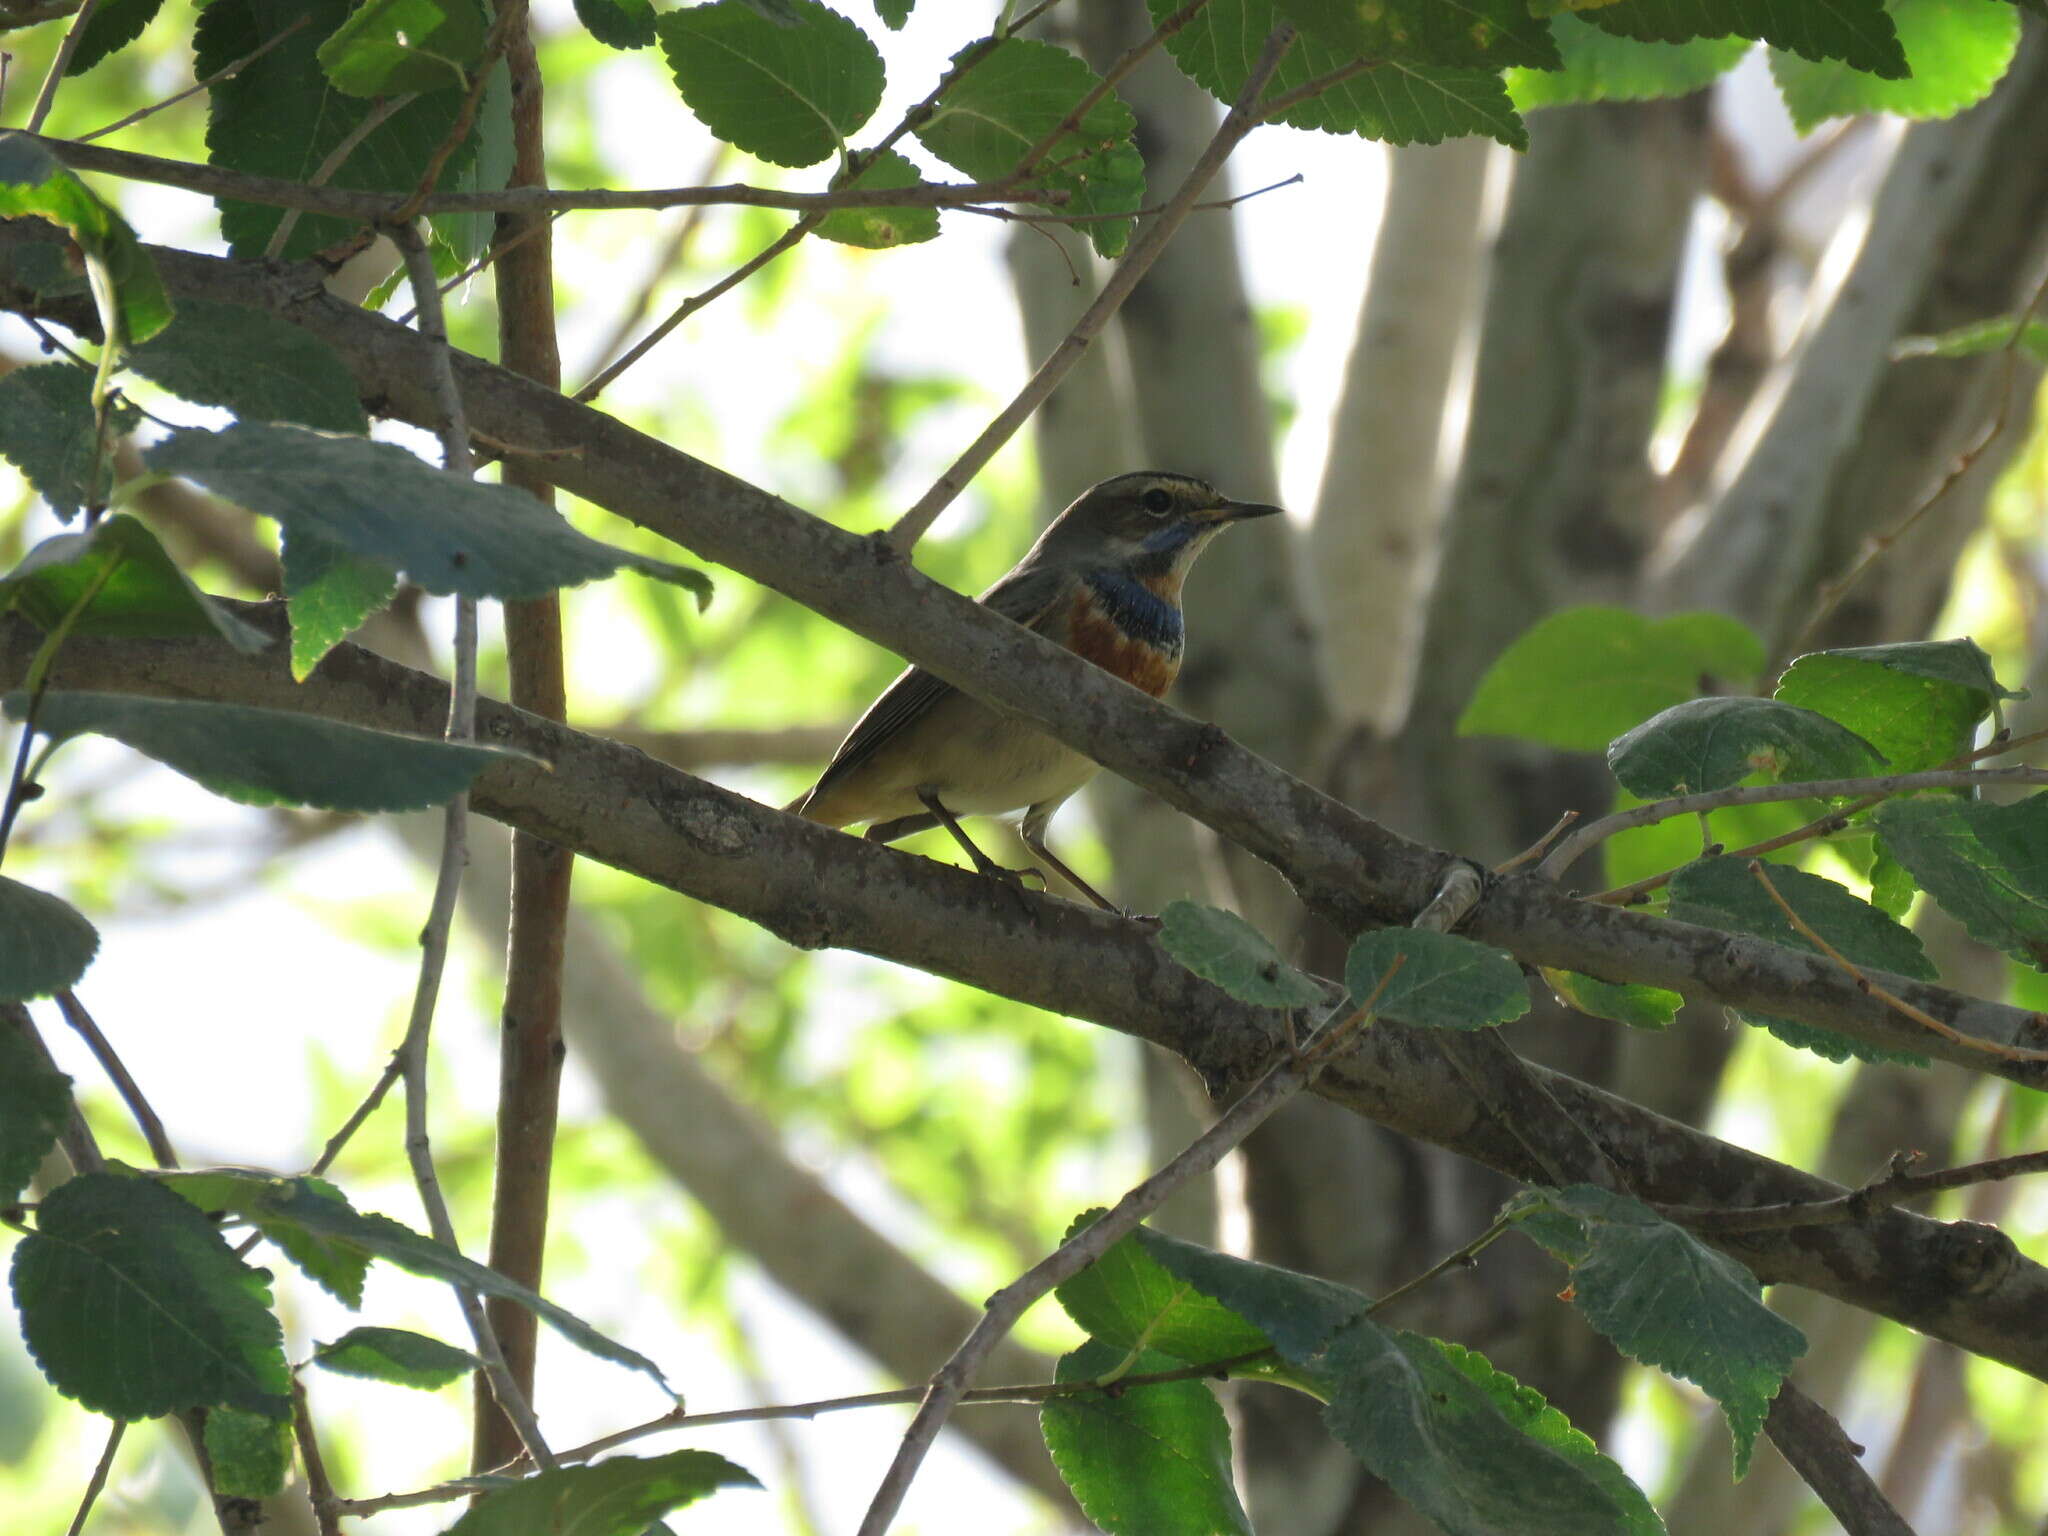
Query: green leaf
[1891, 885]
[1468, 1446]
[1297, 1313]
[250, 1452]
[336, 1265]
[133, 1305]
[128, 293]
[1394, 101]
[35, 1098]
[790, 95]
[1011, 98]
[113, 25]
[387, 47]
[322, 1212]
[1986, 864]
[1858, 32]
[280, 115]
[1711, 744]
[619, 1496]
[47, 432]
[1665, 1298]
[1722, 893]
[1444, 982]
[878, 229]
[1977, 338]
[1598, 66]
[261, 367]
[1127, 1300]
[448, 534]
[1583, 676]
[1957, 51]
[1147, 1461]
[618, 23]
[273, 756]
[395, 1355]
[1223, 948]
[45, 945]
[146, 595]
[1489, 33]
[1630, 1003]
[328, 592]
[894, 13]
[1917, 704]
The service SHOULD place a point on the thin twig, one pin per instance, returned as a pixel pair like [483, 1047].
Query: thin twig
[72, 37]
[380, 113]
[98, 1479]
[1871, 789]
[465, 118]
[674, 248]
[1825, 1458]
[319, 1487]
[1536, 849]
[1919, 1016]
[1138, 260]
[1132, 57]
[225, 72]
[412, 1054]
[146, 1118]
[1897, 1185]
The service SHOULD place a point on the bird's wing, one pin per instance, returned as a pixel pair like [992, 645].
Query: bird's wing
[1026, 596]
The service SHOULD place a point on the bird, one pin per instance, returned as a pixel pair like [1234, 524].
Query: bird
[1103, 580]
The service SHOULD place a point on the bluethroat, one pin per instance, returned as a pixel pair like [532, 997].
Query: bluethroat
[1104, 581]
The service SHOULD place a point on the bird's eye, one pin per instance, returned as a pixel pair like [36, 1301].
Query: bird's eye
[1157, 502]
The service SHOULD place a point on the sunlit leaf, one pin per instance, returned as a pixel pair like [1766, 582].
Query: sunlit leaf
[45, 944]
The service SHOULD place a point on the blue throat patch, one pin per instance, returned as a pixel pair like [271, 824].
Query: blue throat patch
[1137, 610]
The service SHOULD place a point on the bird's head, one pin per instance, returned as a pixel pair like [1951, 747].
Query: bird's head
[1149, 522]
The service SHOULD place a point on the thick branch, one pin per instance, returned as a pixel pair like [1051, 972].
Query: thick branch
[815, 887]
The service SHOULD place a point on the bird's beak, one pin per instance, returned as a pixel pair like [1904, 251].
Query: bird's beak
[1238, 511]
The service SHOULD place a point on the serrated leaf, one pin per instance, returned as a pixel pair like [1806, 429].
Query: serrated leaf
[1629, 1003]
[448, 534]
[35, 1098]
[1710, 744]
[1583, 676]
[1395, 101]
[113, 25]
[387, 47]
[133, 1305]
[1986, 864]
[1598, 66]
[250, 1453]
[273, 756]
[1223, 948]
[328, 592]
[1444, 982]
[618, 23]
[1469, 1446]
[790, 95]
[1127, 1300]
[878, 229]
[336, 1265]
[1666, 1299]
[145, 596]
[127, 292]
[1297, 1313]
[1147, 1461]
[1011, 98]
[619, 1496]
[395, 1355]
[47, 432]
[1917, 704]
[321, 1211]
[1489, 33]
[1856, 31]
[45, 944]
[261, 367]
[1977, 338]
[894, 13]
[279, 115]
[1957, 50]
[1722, 893]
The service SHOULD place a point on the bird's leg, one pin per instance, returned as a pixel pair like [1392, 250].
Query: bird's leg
[983, 864]
[1033, 833]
